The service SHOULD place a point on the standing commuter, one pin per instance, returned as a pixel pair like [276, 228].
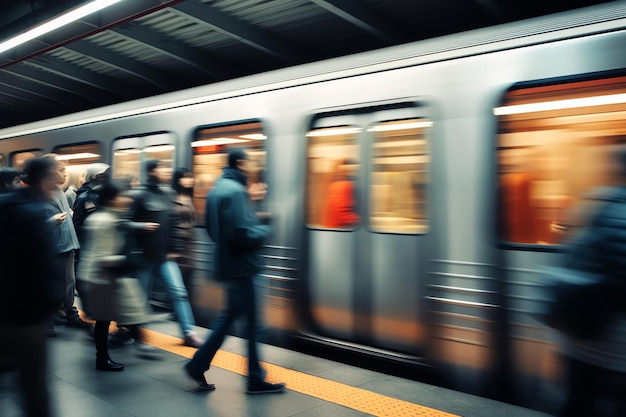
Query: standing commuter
[183, 228]
[597, 367]
[86, 203]
[153, 202]
[9, 179]
[114, 294]
[234, 227]
[28, 293]
[75, 180]
[66, 241]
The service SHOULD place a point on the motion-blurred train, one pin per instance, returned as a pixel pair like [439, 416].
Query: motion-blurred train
[467, 154]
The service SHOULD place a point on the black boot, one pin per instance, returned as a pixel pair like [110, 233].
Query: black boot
[103, 361]
[106, 364]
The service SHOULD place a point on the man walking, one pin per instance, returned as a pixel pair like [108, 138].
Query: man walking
[235, 229]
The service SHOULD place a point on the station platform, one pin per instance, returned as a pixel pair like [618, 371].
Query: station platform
[159, 388]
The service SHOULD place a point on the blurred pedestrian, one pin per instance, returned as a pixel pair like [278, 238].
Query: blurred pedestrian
[86, 203]
[114, 294]
[234, 227]
[153, 202]
[9, 179]
[66, 244]
[75, 180]
[183, 227]
[597, 366]
[29, 291]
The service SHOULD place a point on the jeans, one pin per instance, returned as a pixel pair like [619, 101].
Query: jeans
[241, 301]
[170, 273]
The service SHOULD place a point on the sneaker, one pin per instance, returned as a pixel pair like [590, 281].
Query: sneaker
[121, 337]
[193, 341]
[265, 387]
[148, 352]
[200, 380]
[57, 319]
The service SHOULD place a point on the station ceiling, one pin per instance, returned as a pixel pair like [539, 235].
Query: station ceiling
[141, 48]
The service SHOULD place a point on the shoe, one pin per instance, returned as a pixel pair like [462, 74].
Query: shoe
[200, 380]
[78, 323]
[57, 319]
[265, 387]
[121, 337]
[148, 352]
[193, 341]
[109, 365]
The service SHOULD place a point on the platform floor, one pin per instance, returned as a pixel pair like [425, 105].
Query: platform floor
[159, 388]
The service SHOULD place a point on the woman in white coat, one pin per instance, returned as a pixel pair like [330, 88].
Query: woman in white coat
[114, 294]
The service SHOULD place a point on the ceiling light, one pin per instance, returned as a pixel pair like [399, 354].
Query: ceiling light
[333, 132]
[56, 23]
[254, 136]
[399, 126]
[159, 148]
[83, 155]
[561, 104]
[216, 141]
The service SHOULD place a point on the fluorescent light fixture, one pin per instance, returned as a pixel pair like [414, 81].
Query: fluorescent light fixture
[56, 23]
[254, 136]
[159, 148]
[561, 104]
[83, 155]
[333, 132]
[216, 141]
[399, 126]
[127, 151]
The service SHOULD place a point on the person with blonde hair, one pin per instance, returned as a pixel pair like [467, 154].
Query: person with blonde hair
[75, 180]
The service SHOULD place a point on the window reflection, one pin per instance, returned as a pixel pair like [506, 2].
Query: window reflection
[209, 157]
[399, 176]
[333, 166]
[127, 165]
[552, 156]
[19, 158]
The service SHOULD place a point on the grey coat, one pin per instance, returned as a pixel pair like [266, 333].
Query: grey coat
[64, 234]
[113, 297]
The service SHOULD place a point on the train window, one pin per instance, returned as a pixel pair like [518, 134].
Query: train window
[209, 155]
[127, 164]
[1, 160]
[19, 158]
[77, 158]
[130, 152]
[333, 164]
[399, 178]
[556, 144]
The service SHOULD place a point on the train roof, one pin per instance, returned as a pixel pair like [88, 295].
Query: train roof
[145, 48]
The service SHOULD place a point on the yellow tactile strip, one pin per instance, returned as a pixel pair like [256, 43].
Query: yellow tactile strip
[327, 390]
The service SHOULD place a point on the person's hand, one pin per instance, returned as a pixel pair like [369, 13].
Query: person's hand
[59, 218]
[151, 226]
[257, 191]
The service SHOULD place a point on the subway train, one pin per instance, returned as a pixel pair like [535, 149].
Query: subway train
[464, 160]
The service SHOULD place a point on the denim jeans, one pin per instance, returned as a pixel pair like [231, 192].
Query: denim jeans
[242, 300]
[169, 272]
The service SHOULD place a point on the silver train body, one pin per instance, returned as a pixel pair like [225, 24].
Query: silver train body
[453, 297]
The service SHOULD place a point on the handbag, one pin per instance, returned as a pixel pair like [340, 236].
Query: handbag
[574, 302]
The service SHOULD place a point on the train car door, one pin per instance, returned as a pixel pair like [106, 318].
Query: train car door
[557, 158]
[367, 226]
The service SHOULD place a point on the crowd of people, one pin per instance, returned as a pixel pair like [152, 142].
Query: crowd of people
[109, 243]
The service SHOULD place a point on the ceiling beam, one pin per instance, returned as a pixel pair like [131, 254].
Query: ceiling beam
[54, 81]
[122, 63]
[356, 13]
[30, 91]
[243, 32]
[201, 60]
[84, 76]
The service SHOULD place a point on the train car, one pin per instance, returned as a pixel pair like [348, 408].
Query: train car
[466, 158]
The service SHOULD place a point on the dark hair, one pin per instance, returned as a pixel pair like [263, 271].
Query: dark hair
[150, 165]
[7, 175]
[236, 154]
[178, 174]
[108, 193]
[38, 169]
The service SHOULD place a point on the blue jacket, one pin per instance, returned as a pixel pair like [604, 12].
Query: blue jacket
[233, 225]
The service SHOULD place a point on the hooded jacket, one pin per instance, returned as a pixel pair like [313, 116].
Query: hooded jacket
[234, 227]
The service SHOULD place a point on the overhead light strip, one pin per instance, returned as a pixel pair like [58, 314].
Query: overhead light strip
[56, 23]
[561, 104]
